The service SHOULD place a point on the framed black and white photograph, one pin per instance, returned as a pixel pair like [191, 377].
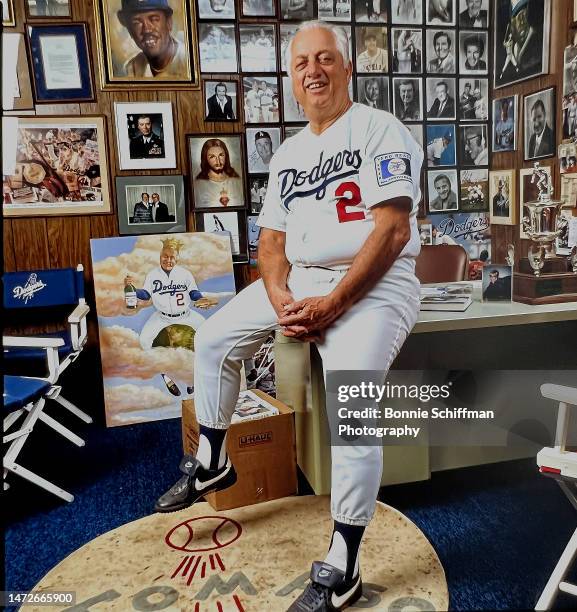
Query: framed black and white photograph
[291, 130]
[372, 11]
[473, 99]
[253, 231]
[502, 197]
[426, 233]
[8, 15]
[474, 149]
[220, 101]
[569, 104]
[231, 222]
[407, 11]
[62, 70]
[297, 10]
[474, 13]
[293, 112]
[150, 204]
[371, 49]
[47, 9]
[216, 170]
[497, 283]
[217, 47]
[258, 8]
[441, 99]
[474, 190]
[521, 39]
[416, 130]
[287, 31]
[261, 99]
[442, 187]
[441, 145]
[440, 12]
[407, 99]
[407, 51]
[567, 239]
[257, 48]
[216, 9]
[505, 124]
[528, 192]
[539, 124]
[145, 135]
[441, 52]
[373, 91]
[473, 52]
[261, 144]
[335, 10]
[257, 187]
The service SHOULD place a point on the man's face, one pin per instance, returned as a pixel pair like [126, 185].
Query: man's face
[538, 120]
[145, 198]
[493, 276]
[442, 47]
[406, 93]
[473, 147]
[155, 198]
[145, 126]
[216, 158]
[217, 5]
[474, 7]
[443, 187]
[520, 26]
[372, 90]
[319, 77]
[473, 54]
[168, 259]
[371, 44]
[441, 91]
[221, 91]
[150, 30]
[264, 148]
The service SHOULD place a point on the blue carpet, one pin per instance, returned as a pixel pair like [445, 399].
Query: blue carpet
[497, 529]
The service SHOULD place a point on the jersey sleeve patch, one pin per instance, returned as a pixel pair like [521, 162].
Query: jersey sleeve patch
[393, 167]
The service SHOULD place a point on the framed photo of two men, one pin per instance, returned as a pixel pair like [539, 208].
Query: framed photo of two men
[147, 43]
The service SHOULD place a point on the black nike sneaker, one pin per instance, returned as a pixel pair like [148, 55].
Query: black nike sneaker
[196, 482]
[328, 590]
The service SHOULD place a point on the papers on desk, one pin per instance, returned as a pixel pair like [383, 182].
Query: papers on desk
[250, 406]
[455, 297]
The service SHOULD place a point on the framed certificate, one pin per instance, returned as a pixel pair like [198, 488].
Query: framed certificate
[60, 63]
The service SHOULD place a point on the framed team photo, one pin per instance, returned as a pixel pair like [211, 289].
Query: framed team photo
[220, 100]
[528, 192]
[334, 10]
[150, 204]
[217, 47]
[216, 170]
[539, 124]
[257, 188]
[371, 12]
[8, 15]
[226, 223]
[293, 112]
[130, 58]
[440, 12]
[261, 144]
[407, 99]
[442, 190]
[503, 206]
[373, 91]
[296, 10]
[416, 132]
[505, 124]
[47, 9]
[407, 11]
[521, 39]
[287, 31]
[407, 51]
[145, 135]
[441, 52]
[473, 52]
[473, 99]
[257, 48]
[474, 190]
[474, 145]
[441, 145]
[371, 49]
[474, 13]
[258, 8]
[216, 9]
[261, 99]
[441, 99]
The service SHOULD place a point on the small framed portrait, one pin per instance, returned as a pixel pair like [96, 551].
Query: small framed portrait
[407, 11]
[231, 222]
[16, 86]
[60, 169]
[287, 31]
[47, 9]
[371, 49]
[291, 130]
[567, 154]
[407, 99]
[253, 236]
[217, 47]
[220, 101]
[441, 12]
[474, 190]
[293, 112]
[528, 192]
[146, 43]
[261, 99]
[216, 9]
[441, 145]
[216, 170]
[8, 15]
[257, 48]
[502, 197]
[335, 10]
[569, 107]
[521, 39]
[150, 204]
[416, 132]
[369, 11]
[497, 283]
[473, 52]
[258, 8]
[373, 91]
[505, 124]
[145, 135]
[297, 10]
[442, 189]
[407, 51]
[257, 187]
[474, 13]
[539, 125]
[441, 98]
[474, 145]
[473, 99]
[441, 52]
[261, 144]
[426, 233]
[567, 239]
[62, 70]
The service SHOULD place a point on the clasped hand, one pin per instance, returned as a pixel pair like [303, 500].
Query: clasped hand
[308, 319]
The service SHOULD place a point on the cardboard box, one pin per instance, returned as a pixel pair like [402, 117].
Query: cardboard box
[262, 451]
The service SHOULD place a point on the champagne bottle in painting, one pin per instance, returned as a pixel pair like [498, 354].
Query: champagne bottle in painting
[130, 296]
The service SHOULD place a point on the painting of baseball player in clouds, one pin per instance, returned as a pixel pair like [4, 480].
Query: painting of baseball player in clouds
[152, 295]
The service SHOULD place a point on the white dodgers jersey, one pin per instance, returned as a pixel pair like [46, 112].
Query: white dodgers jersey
[170, 290]
[321, 188]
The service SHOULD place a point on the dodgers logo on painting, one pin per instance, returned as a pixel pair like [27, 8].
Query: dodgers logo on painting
[392, 167]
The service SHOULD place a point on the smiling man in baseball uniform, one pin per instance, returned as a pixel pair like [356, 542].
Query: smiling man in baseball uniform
[337, 258]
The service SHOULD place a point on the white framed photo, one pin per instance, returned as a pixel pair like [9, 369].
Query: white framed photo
[261, 144]
[441, 52]
[371, 49]
[407, 46]
[473, 99]
[539, 124]
[145, 135]
[407, 11]
[426, 233]
[474, 190]
[441, 99]
[217, 47]
[335, 10]
[473, 52]
[497, 283]
[474, 145]
[407, 99]
[373, 91]
[261, 98]
[442, 190]
[441, 12]
[369, 11]
[505, 123]
[257, 47]
[474, 13]
[502, 194]
[220, 100]
[216, 9]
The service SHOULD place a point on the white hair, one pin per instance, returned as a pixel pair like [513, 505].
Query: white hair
[339, 33]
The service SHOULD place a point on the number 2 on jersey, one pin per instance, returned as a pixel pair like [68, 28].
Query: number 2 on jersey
[353, 199]
[180, 299]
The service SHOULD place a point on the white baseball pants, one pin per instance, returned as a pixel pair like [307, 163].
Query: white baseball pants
[158, 322]
[367, 337]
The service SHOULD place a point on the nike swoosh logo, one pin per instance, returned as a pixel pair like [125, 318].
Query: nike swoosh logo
[199, 486]
[338, 601]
